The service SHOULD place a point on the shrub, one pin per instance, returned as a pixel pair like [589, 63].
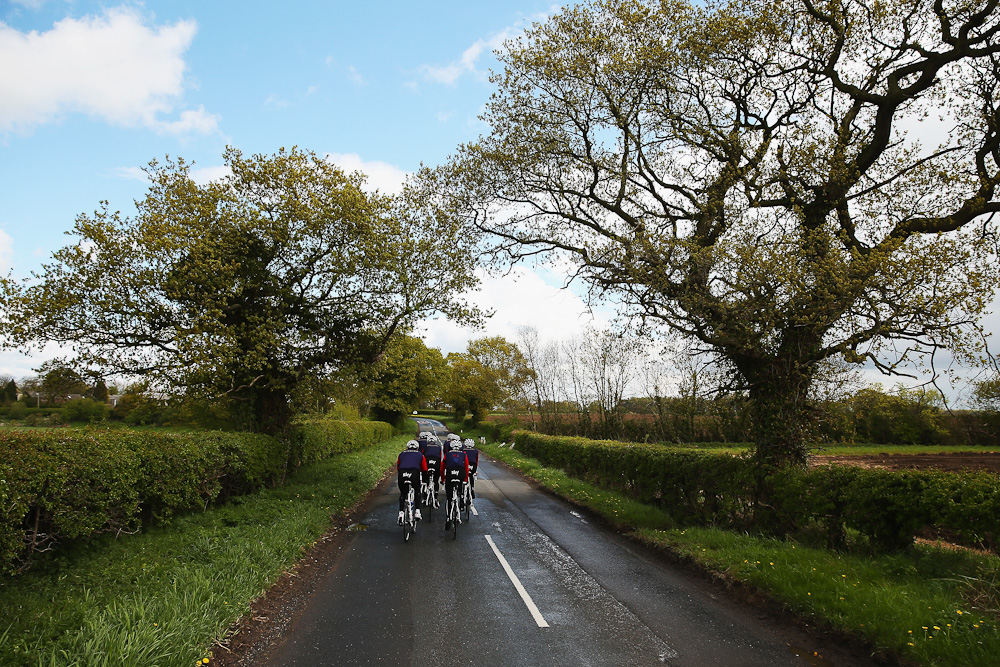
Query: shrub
[888, 508]
[85, 410]
[17, 411]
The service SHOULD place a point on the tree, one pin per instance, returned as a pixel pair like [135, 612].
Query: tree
[491, 372]
[750, 174]
[244, 288]
[59, 381]
[986, 394]
[8, 394]
[408, 373]
[100, 391]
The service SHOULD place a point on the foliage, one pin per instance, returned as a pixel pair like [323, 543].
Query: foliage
[8, 394]
[490, 372]
[408, 373]
[59, 381]
[987, 394]
[56, 486]
[100, 391]
[908, 417]
[168, 595]
[698, 487]
[85, 410]
[243, 288]
[751, 175]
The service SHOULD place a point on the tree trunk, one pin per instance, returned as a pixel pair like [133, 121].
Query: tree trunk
[271, 413]
[781, 417]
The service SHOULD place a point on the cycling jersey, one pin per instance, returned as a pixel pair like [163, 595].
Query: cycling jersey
[473, 456]
[411, 465]
[455, 466]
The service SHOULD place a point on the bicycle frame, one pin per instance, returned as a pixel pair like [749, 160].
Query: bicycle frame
[409, 518]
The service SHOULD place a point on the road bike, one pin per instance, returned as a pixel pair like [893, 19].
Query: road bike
[430, 499]
[454, 514]
[466, 499]
[409, 515]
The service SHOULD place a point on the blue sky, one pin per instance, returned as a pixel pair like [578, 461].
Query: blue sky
[90, 92]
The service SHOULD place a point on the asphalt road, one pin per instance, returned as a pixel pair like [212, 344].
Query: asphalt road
[582, 596]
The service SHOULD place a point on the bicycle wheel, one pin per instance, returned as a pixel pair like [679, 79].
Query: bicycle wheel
[409, 525]
[453, 514]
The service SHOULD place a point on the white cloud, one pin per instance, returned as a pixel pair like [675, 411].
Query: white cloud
[6, 252]
[112, 67]
[206, 175]
[273, 101]
[525, 297]
[355, 76]
[384, 177]
[468, 62]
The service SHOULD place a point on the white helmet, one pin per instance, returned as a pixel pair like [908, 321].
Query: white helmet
[413, 444]
[424, 435]
[469, 444]
[454, 436]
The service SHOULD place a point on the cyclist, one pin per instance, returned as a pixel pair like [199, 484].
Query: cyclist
[473, 455]
[411, 466]
[454, 472]
[423, 438]
[454, 441]
[433, 452]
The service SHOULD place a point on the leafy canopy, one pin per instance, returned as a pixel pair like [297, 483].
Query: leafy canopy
[762, 177]
[245, 287]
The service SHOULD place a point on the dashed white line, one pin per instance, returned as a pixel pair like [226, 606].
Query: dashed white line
[528, 602]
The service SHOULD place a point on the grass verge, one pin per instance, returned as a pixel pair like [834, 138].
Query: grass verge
[163, 597]
[931, 605]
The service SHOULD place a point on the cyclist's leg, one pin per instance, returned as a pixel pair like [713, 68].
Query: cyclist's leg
[403, 485]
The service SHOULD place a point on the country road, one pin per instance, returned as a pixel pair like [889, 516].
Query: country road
[527, 582]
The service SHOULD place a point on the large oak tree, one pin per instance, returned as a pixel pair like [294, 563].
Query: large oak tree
[243, 288]
[761, 176]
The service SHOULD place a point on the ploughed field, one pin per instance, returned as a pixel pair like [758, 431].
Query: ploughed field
[947, 461]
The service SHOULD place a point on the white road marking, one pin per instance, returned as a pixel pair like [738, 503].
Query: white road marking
[528, 602]
[474, 512]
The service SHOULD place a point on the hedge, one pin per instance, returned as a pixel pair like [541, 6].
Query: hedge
[888, 508]
[65, 484]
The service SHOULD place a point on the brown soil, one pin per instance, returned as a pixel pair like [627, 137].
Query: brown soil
[987, 461]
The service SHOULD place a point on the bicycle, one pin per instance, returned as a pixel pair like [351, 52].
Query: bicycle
[430, 500]
[466, 499]
[409, 515]
[454, 514]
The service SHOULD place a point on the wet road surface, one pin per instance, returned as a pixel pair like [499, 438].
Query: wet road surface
[527, 582]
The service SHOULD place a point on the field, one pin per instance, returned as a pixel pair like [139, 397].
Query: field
[949, 461]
